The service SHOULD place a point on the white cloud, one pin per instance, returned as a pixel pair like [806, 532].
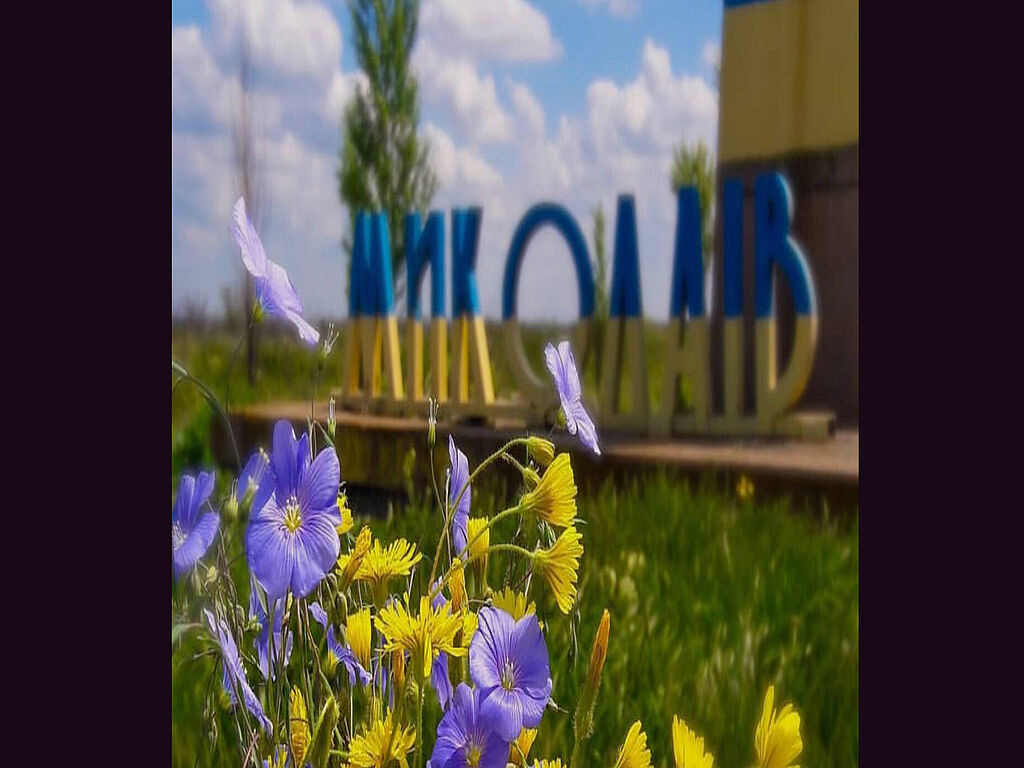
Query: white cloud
[462, 169]
[623, 8]
[712, 54]
[527, 107]
[469, 98]
[501, 30]
[298, 94]
[285, 38]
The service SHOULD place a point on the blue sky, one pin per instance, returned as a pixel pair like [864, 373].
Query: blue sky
[571, 101]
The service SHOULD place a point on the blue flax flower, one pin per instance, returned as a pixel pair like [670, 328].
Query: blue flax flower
[439, 678]
[234, 674]
[508, 661]
[562, 365]
[282, 646]
[251, 489]
[192, 533]
[292, 541]
[274, 290]
[458, 476]
[468, 736]
[341, 653]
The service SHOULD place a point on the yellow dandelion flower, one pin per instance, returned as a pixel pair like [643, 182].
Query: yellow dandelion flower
[777, 739]
[424, 636]
[457, 585]
[359, 632]
[556, 763]
[381, 565]
[634, 752]
[744, 488]
[469, 624]
[478, 548]
[542, 451]
[346, 515]
[520, 748]
[559, 566]
[299, 725]
[554, 498]
[369, 749]
[688, 748]
[513, 603]
[348, 565]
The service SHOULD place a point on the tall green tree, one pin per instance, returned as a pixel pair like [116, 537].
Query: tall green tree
[385, 165]
[695, 166]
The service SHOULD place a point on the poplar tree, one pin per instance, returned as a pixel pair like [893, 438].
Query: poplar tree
[384, 164]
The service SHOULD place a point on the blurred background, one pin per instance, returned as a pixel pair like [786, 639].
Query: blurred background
[504, 103]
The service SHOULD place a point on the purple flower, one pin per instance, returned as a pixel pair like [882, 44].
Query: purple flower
[292, 540]
[282, 647]
[562, 365]
[439, 670]
[234, 676]
[467, 735]
[251, 486]
[192, 534]
[508, 661]
[341, 653]
[274, 290]
[458, 476]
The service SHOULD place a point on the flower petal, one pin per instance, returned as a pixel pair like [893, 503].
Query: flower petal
[318, 613]
[183, 512]
[490, 647]
[253, 255]
[440, 681]
[587, 430]
[316, 550]
[533, 670]
[572, 376]
[503, 711]
[270, 556]
[198, 541]
[319, 486]
[283, 459]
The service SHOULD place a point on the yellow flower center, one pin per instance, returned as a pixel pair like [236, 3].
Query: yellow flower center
[473, 755]
[508, 676]
[292, 515]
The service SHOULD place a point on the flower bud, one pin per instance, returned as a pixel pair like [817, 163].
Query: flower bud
[329, 662]
[431, 423]
[583, 721]
[531, 478]
[230, 510]
[542, 451]
[398, 667]
[211, 575]
[257, 312]
[332, 425]
[457, 585]
[323, 736]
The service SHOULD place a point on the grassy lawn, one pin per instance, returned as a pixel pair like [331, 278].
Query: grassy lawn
[711, 599]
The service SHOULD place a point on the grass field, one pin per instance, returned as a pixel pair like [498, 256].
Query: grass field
[711, 600]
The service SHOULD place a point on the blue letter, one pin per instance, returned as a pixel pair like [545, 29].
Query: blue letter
[418, 250]
[687, 266]
[773, 211]
[465, 239]
[625, 294]
[562, 220]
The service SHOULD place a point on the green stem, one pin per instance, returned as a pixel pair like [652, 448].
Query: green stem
[469, 482]
[503, 514]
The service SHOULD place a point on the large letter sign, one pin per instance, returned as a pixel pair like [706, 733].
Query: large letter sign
[625, 326]
[687, 351]
[469, 353]
[538, 392]
[372, 332]
[773, 212]
[422, 249]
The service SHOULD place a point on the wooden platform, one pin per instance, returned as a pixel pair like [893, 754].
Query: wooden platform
[377, 450]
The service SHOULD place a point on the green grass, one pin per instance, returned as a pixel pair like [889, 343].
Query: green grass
[711, 600]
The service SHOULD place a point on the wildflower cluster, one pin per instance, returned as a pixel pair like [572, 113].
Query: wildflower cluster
[346, 639]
